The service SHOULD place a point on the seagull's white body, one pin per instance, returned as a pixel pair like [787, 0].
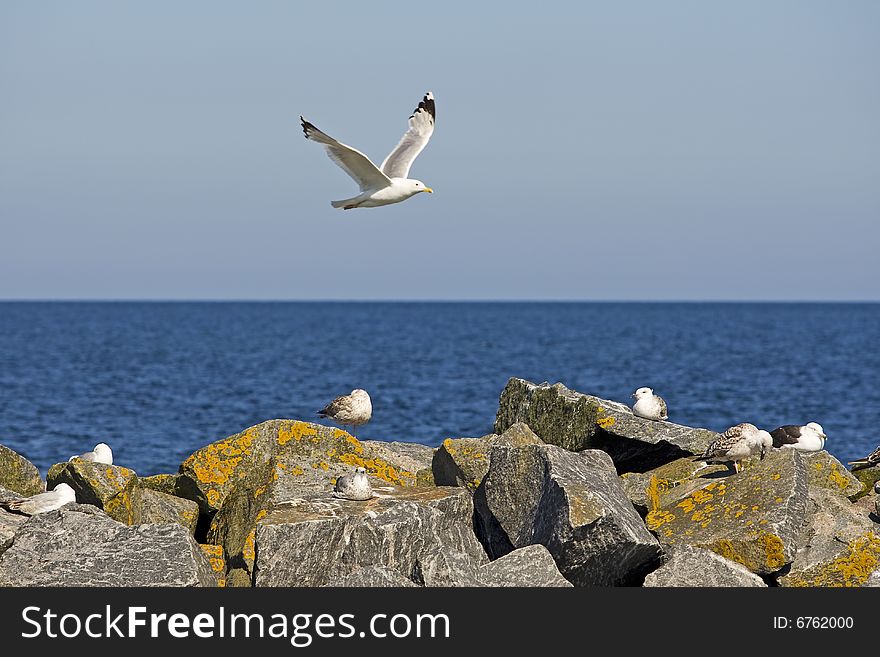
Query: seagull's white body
[807, 438]
[354, 487]
[389, 183]
[42, 502]
[101, 454]
[648, 405]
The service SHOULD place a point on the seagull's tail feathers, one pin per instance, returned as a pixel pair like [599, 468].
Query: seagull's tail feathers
[347, 203]
[860, 464]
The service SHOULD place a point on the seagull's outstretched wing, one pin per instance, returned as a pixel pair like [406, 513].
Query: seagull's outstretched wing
[352, 161]
[414, 140]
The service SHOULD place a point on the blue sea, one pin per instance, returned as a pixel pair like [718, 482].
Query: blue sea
[157, 380]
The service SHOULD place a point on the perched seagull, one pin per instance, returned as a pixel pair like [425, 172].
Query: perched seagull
[389, 183]
[42, 502]
[354, 487]
[737, 443]
[871, 459]
[349, 410]
[101, 454]
[648, 405]
[808, 438]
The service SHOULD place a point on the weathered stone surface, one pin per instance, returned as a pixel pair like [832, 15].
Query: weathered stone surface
[691, 566]
[307, 459]
[392, 529]
[18, 474]
[869, 478]
[250, 459]
[78, 545]
[669, 483]
[577, 421]
[157, 508]
[465, 461]
[238, 578]
[217, 560]
[109, 487]
[573, 504]
[825, 471]
[532, 565]
[445, 567]
[839, 546]
[873, 580]
[373, 576]
[9, 522]
[753, 518]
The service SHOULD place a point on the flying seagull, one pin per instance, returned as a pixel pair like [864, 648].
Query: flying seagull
[808, 438]
[389, 183]
[349, 410]
[648, 405]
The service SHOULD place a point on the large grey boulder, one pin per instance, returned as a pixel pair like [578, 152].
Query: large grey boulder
[372, 577]
[18, 474]
[825, 471]
[669, 483]
[577, 421]
[839, 545]
[109, 487]
[465, 461]
[571, 503]
[162, 508]
[530, 566]
[690, 566]
[79, 545]
[754, 517]
[314, 539]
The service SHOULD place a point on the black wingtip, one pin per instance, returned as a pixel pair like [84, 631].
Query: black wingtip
[306, 126]
[427, 105]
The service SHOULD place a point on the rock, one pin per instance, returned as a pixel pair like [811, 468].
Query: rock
[448, 568]
[18, 474]
[573, 504]
[465, 461]
[669, 483]
[393, 529]
[532, 565]
[9, 522]
[753, 518]
[217, 560]
[249, 460]
[839, 546]
[238, 578]
[873, 580]
[825, 471]
[307, 458]
[78, 545]
[576, 421]
[155, 507]
[373, 576]
[869, 478]
[109, 487]
[691, 566]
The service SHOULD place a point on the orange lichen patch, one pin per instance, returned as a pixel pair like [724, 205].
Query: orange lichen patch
[262, 513]
[380, 468]
[217, 464]
[605, 422]
[849, 569]
[656, 519]
[837, 478]
[776, 476]
[774, 550]
[248, 551]
[655, 488]
[727, 550]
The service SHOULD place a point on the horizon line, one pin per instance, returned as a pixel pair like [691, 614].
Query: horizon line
[416, 300]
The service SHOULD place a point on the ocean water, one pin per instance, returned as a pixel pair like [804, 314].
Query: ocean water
[158, 380]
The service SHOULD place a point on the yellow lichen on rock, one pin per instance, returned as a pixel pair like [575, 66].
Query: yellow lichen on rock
[850, 569]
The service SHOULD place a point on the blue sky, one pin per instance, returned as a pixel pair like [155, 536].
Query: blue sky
[633, 150]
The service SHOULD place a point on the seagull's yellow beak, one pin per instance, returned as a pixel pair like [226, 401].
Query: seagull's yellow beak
[429, 190]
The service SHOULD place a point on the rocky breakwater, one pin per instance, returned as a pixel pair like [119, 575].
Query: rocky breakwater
[569, 490]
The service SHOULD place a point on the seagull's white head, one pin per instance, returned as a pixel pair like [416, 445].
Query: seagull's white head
[103, 450]
[418, 186]
[360, 393]
[66, 491]
[361, 471]
[642, 392]
[815, 426]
